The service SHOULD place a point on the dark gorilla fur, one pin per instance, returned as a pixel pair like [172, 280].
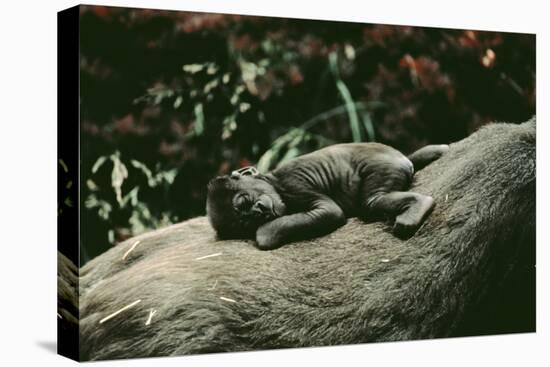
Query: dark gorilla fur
[469, 270]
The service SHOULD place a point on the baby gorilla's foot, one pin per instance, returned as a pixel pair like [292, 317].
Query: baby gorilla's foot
[410, 220]
[424, 156]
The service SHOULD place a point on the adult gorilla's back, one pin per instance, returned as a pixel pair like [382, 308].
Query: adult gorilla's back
[468, 270]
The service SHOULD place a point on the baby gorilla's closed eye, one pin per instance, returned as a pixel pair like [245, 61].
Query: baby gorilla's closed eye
[242, 202]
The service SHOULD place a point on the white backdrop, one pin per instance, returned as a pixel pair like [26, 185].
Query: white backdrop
[28, 183]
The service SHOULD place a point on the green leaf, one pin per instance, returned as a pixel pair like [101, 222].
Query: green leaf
[62, 163]
[169, 176]
[178, 102]
[212, 69]
[118, 175]
[111, 236]
[131, 197]
[98, 163]
[352, 112]
[266, 161]
[199, 119]
[288, 146]
[193, 68]
[249, 70]
[368, 125]
[103, 207]
[346, 96]
[271, 157]
[143, 168]
[91, 185]
[211, 85]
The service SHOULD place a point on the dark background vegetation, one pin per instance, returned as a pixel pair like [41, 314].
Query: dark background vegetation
[171, 99]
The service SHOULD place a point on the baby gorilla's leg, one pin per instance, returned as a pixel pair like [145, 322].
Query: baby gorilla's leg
[410, 209]
[384, 197]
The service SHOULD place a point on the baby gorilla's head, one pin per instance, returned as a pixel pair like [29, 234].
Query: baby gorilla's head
[238, 204]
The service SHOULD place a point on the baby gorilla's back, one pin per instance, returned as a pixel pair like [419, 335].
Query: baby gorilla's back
[348, 173]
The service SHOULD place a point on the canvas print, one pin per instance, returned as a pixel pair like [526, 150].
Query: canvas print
[239, 183]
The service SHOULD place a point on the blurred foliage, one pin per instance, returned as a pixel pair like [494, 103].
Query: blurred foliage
[171, 99]
[66, 183]
[113, 207]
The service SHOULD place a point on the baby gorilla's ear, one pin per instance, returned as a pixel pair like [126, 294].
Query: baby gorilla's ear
[217, 182]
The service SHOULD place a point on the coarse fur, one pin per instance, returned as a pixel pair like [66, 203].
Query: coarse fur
[469, 270]
[312, 195]
[67, 307]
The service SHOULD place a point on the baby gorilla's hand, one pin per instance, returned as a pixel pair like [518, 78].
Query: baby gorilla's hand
[266, 237]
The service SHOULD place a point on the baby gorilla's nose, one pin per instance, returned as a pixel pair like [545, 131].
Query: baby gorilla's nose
[262, 208]
[259, 207]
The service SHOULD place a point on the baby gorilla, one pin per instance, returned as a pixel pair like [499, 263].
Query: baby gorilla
[312, 195]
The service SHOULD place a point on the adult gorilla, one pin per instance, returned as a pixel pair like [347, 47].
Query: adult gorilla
[469, 270]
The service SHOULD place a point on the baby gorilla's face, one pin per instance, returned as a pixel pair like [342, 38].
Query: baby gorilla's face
[238, 205]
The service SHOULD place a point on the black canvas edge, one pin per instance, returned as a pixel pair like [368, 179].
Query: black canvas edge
[68, 185]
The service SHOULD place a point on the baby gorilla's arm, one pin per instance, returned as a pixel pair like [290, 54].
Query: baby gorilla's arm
[324, 217]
